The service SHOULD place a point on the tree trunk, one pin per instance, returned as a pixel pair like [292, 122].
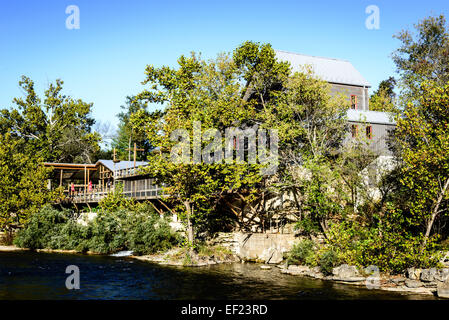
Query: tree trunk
[190, 231]
[435, 211]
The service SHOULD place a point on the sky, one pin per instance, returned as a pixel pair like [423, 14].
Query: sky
[104, 60]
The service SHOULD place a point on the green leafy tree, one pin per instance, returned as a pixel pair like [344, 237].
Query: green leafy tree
[57, 127]
[219, 93]
[23, 184]
[423, 55]
[312, 127]
[384, 99]
[127, 134]
[424, 146]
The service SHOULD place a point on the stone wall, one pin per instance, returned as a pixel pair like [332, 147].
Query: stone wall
[263, 247]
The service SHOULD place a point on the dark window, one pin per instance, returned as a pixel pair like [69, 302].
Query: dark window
[369, 132]
[354, 130]
[353, 101]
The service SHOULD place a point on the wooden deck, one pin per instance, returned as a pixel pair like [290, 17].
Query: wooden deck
[133, 185]
[97, 196]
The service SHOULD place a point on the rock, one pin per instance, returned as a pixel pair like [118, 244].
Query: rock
[315, 273]
[442, 275]
[443, 289]
[345, 271]
[296, 270]
[428, 275]
[398, 280]
[409, 283]
[432, 284]
[414, 273]
[265, 267]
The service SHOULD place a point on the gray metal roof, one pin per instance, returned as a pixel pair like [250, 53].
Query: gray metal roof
[330, 70]
[370, 117]
[120, 165]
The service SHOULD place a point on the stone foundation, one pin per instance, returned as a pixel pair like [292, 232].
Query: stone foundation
[261, 247]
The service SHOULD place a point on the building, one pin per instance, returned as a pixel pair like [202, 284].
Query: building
[89, 183]
[344, 78]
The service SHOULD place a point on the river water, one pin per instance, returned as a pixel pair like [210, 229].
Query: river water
[28, 275]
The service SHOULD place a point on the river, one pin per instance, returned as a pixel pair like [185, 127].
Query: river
[29, 275]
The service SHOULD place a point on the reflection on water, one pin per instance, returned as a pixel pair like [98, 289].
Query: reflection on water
[26, 275]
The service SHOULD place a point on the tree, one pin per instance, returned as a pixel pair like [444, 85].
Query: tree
[57, 128]
[384, 99]
[219, 94]
[312, 127]
[127, 135]
[423, 55]
[23, 184]
[424, 146]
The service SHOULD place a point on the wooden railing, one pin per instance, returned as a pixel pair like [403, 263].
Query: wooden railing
[140, 189]
[128, 172]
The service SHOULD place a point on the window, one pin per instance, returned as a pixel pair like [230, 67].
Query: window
[369, 132]
[353, 101]
[354, 130]
[236, 143]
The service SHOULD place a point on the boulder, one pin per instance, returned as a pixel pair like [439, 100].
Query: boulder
[443, 289]
[432, 284]
[346, 273]
[398, 280]
[409, 283]
[428, 275]
[296, 270]
[414, 273]
[315, 273]
[442, 275]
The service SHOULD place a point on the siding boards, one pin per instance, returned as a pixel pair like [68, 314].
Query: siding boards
[349, 90]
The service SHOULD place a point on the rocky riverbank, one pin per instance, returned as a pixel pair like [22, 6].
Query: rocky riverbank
[181, 257]
[422, 281]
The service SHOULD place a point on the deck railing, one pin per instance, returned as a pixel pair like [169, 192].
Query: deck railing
[139, 189]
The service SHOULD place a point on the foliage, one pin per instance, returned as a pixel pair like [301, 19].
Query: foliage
[308, 226]
[423, 55]
[384, 99]
[116, 200]
[303, 252]
[57, 127]
[23, 184]
[387, 245]
[328, 259]
[424, 147]
[127, 134]
[141, 231]
[218, 93]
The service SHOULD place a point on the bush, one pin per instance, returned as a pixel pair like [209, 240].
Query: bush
[141, 231]
[307, 226]
[387, 246]
[302, 253]
[327, 261]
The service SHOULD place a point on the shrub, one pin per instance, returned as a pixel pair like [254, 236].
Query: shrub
[328, 260]
[302, 253]
[307, 226]
[141, 231]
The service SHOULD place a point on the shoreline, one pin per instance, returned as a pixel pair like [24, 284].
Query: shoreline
[386, 283]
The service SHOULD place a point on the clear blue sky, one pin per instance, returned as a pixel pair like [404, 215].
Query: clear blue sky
[104, 60]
